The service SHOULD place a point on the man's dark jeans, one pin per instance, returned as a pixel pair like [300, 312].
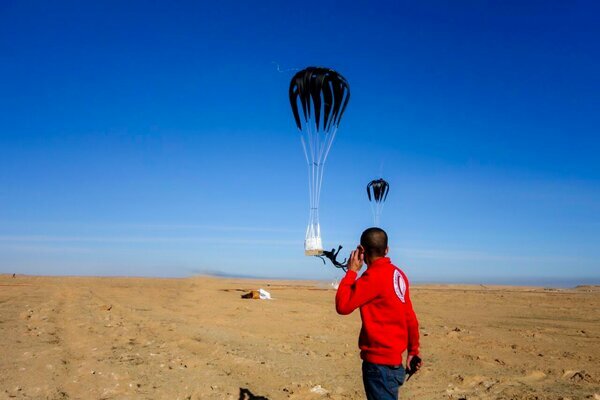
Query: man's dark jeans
[382, 381]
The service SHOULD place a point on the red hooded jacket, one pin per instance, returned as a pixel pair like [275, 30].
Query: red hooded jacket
[389, 323]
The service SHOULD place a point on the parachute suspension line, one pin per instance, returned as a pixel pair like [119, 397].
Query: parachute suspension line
[313, 231]
[329, 132]
[377, 214]
[319, 145]
[310, 186]
[313, 166]
[304, 147]
[374, 213]
[327, 146]
[326, 138]
[377, 210]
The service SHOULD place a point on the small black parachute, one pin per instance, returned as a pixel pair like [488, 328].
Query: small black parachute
[380, 189]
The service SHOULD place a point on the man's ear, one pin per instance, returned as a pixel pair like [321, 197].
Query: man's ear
[386, 250]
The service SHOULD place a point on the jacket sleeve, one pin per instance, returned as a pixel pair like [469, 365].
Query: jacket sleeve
[353, 293]
[412, 324]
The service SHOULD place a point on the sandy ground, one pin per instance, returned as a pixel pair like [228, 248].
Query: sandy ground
[126, 338]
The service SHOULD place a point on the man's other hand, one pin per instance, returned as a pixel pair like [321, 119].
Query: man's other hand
[356, 260]
[411, 366]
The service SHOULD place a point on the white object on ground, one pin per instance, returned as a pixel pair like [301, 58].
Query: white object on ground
[318, 390]
[264, 295]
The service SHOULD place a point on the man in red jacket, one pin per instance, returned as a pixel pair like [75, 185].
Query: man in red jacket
[389, 323]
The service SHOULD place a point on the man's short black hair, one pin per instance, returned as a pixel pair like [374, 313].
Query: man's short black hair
[374, 241]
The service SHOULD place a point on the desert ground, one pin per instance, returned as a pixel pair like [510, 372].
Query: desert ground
[196, 338]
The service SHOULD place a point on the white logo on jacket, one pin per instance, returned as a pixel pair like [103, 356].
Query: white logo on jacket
[399, 285]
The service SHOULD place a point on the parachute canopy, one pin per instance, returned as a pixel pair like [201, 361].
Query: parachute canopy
[318, 97]
[323, 95]
[379, 188]
[377, 191]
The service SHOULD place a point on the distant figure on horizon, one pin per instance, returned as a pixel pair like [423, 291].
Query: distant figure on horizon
[389, 323]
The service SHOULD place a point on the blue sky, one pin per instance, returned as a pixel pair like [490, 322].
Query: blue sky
[156, 139]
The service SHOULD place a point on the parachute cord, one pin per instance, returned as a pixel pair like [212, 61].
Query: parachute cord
[316, 144]
[312, 150]
[374, 211]
[310, 161]
[328, 141]
[381, 208]
[304, 147]
[319, 183]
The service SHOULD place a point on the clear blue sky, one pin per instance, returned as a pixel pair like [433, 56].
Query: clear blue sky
[155, 138]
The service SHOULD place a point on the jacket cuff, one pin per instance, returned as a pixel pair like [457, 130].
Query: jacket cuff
[351, 275]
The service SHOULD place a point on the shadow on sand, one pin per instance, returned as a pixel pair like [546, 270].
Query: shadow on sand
[245, 394]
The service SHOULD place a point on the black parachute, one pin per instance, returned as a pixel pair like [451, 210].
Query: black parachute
[318, 97]
[380, 189]
[377, 191]
[317, 88]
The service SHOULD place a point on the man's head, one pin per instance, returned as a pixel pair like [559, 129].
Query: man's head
[374, 242]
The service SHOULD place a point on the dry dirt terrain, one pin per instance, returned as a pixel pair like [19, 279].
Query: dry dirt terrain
[195, 338]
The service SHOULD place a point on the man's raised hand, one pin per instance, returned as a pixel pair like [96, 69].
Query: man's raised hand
[356, 261]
